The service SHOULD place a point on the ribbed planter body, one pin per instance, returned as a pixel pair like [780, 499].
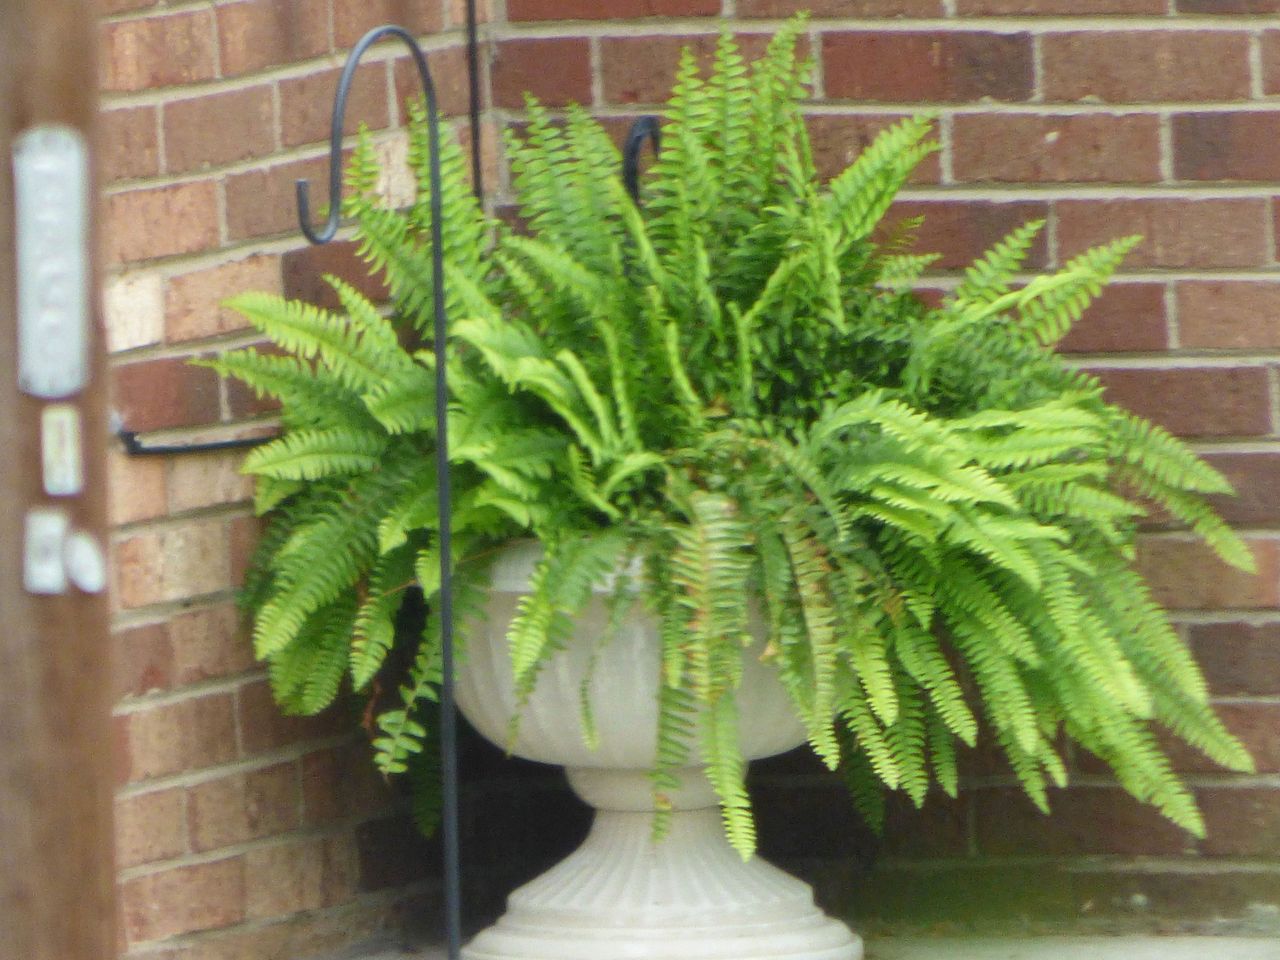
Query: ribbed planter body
[621, 896]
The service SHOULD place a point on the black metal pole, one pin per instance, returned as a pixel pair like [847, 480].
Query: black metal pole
[473, 79]
[448, 709]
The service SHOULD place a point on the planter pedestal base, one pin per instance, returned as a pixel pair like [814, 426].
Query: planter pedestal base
[620, 896]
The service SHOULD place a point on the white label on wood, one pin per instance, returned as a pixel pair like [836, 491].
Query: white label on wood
[43, 567]
[51, 197]
[61, 451]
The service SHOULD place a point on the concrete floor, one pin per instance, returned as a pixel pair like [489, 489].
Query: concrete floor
[1034, 948]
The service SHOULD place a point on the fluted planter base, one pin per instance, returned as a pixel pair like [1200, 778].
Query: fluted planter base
[621, 896]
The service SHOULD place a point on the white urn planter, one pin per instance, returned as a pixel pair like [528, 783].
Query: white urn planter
[621, 896]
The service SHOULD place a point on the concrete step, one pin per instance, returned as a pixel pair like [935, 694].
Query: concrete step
[1031, 948]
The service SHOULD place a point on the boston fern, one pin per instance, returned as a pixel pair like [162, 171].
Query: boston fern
[732, 388]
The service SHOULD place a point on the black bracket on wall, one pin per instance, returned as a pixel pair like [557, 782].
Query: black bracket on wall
[136, 448]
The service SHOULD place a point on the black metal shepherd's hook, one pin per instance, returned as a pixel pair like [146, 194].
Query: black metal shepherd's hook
[448, 716]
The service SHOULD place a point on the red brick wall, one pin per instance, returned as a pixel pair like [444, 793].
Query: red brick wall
[242, 835]
[1104, 117]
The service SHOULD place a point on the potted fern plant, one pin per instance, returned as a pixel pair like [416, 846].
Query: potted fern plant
[724, 485]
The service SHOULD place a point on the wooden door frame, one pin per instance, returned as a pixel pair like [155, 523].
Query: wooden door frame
[57, 890]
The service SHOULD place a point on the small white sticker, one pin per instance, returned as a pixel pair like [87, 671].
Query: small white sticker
[43, 568]
[51, 211]
[60, 450]
[85, 562]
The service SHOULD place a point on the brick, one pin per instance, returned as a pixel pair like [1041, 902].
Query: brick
[219, 128]
[353, 18]
[1128, 317]
[393, 853]
[1059, 7]
[209, 644]
[262, 202]
[397, 185]
[1271, 62]
[161, 222]
[133, 308]
[1013, 148]
[303, 875]
[1226, 314]
[178, 563]
[303, 273]
[1145, 66]
[245, 532]
[1253, 724]
[242, 807]
[963, 230]
[1228, 6]
[941, 828]
[194, 302]
[207, 480]
[137, 572]
[179, 737]
[448, 73]
[1175, 398]
[141, 661]
[264, 728]
[519, 10]
[1256, 479]
[641, 69]
[905, 67]
[1240, 822]
[243, 403]
[135, 488]
[1238, 659]
[204, 896]
[160, 51]
[457, 11]
[169, 392]
[306, 104]
[340, 783]
[150, 827]
[491, 148]
[837, 140]
[1187, 575]
[557, 71]
[1226, 146]
[128, 143]
[1176, 233]
[830, 823]
[257, 34]
[1084, 820]
[841, 8]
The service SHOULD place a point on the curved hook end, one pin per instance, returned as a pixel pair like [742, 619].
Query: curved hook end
[645, 128]
[302, 188]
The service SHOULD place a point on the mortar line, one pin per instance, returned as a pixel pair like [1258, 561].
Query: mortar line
[595, 63]
[1035, 25]
[249, 764]
[1273, 395]
[1255, 65]
[1173, 329]
[1037, 69]
[1167, 174]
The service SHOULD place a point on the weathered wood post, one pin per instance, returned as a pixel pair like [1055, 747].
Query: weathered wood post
[56, 876]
